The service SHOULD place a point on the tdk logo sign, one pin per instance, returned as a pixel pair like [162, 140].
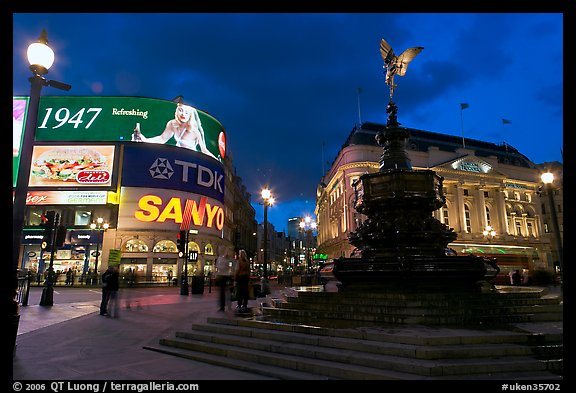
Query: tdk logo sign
[205, 177]
[161, 169]
[175, 169]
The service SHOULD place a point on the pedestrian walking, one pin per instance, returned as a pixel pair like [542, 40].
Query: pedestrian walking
[242, 278]
[224, 273]
[516, 278]
[110, 286]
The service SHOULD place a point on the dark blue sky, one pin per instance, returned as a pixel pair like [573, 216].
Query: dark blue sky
[285, 86]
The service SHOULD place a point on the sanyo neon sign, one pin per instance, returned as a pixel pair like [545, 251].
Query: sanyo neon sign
[201, 213]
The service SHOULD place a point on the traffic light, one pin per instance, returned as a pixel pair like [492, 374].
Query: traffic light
[181, 243]
[60, 236]
[48, 225]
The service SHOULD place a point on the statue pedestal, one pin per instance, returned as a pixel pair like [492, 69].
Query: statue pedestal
[401, 245]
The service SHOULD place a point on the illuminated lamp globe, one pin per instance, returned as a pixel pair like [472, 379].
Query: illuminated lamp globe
[266, 194]
[547, 178]
[40, 55]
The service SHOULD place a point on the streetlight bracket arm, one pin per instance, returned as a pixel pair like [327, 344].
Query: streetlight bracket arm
[58, 85]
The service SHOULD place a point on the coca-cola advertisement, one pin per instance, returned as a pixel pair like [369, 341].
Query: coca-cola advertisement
[72, 166]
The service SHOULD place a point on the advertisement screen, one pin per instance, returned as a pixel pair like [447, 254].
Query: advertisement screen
[137, 119]
[155, 209]
[72, 166]
[66, 197]
[19, 111]
[167, 167]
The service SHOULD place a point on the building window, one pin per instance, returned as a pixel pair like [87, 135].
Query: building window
[445, 215]
[546, 229]
[82, 217]
[209, 250]
[465, 191]
[135, 245]
[164, 246]
[193, 246]
[530, 229]
[517, 195]
[486, 194]
[467, 219]
[488, 222]
[519, 228]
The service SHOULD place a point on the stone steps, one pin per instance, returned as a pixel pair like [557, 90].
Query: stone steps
[348, 318]
[287, 351]
[464, 309]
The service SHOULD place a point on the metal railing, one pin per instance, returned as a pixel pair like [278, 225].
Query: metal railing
[23, 290]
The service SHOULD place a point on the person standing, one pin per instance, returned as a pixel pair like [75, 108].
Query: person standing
[242, 278]
[110, 286]
[224, 272]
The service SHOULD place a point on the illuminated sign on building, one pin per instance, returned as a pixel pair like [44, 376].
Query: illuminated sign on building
[19, 111]
[199, 213]
[66, 198]
[145, 209]
[138, 119]
[72, 166]
[472, 166]
[168, 167]
[514, 185]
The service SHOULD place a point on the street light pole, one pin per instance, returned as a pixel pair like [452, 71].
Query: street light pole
[548, 179]
[184, 288]
[47, 298]
[268, 201]
[98, 225]
[307, 226]
[41, 58]
[265, 273]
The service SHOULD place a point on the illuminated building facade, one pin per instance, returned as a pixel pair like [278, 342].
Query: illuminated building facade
[485, 185]
[89, 163]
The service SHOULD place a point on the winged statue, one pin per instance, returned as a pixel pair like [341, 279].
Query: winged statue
[396, 65]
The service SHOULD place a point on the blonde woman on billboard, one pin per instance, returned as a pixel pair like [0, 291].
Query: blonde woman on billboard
[186, 129]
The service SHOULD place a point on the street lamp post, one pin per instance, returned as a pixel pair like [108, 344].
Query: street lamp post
[47, 298]
[268, 200]
[307, 226]
[100, 226]
[184, 288]
[489, 233]
[41, 58]
[548, 179]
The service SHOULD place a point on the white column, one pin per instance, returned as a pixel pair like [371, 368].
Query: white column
[481, 209]
[501, 212]
[459, 206]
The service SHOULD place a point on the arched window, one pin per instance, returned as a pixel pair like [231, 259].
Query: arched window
[193, 246]
[135, 245]
[209, 250]
[165, 246]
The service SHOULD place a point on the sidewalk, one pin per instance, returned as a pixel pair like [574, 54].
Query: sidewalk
[73, 342]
